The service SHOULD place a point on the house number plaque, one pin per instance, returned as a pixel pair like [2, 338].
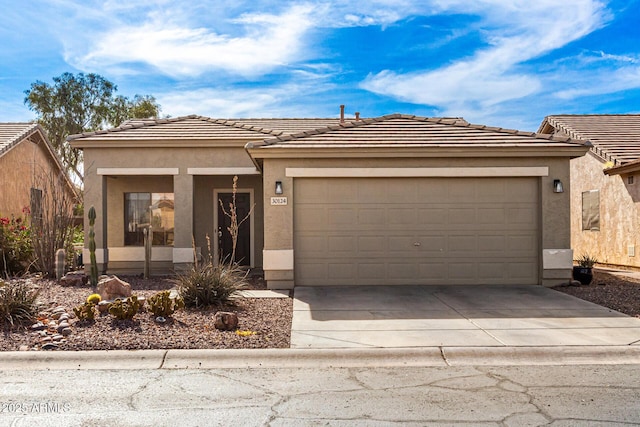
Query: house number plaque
[278, 201]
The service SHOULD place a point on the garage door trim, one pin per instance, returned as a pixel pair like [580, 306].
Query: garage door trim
[459, 172]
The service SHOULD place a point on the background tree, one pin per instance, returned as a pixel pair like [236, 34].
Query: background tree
[82, 103]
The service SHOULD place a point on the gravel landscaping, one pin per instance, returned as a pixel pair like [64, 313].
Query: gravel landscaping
[263, 323]
[608, 290]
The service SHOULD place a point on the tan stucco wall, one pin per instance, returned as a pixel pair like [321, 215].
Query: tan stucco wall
[619, 213]
[554, 215]
[19, 168]
[108, 191]
[150, 157]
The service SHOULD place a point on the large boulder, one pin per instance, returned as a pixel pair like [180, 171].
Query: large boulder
[111, 288]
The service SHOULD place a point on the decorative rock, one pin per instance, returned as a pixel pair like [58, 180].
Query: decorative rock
[50, 346]
[112, 288]
[160, 319]
[226, 321]
[103, 306]
[45, 339]
[575, 283]
[57, 337]
[24, 348]
[66, 332]
[38, 326]
[42, 333]
[61, 326]
[74, 278]
[63, 317]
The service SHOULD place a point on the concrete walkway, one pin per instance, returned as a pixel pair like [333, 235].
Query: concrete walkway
[453, 316]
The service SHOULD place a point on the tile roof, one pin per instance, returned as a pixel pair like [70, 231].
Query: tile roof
[200, 128]
[404, 130]
[13, 133]
[615, 137]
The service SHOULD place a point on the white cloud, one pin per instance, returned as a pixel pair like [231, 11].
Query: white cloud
[601, 83]
[515, 32]
[267, 41]
[276, 101]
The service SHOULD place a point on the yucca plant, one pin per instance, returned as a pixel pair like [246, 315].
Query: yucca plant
[17, 303]
[208, 285]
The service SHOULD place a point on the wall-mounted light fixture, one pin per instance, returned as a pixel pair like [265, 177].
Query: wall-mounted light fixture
[557, 186]
[278, 187]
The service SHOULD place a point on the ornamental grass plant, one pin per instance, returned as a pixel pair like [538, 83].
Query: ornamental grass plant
[18, 304]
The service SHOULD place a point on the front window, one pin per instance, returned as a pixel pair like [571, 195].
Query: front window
[148, 209]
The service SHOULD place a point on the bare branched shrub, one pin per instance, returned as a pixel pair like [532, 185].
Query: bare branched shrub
[52, 204]
[231, 212]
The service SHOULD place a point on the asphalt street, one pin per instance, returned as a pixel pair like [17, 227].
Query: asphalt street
[523, 395]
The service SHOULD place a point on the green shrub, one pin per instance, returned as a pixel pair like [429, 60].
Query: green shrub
[17, 303]
[125, 309]
[85, 311]
[208, 285]
[161, 305]
[16, 251]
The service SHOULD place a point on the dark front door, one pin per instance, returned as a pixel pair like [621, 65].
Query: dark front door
[225, 240]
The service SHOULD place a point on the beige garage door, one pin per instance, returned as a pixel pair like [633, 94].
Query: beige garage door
[375, 231]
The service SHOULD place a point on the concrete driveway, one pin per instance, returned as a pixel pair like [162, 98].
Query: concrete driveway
[453, 316]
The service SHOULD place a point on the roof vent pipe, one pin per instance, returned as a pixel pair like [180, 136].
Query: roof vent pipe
[342, 114]
[357, 116]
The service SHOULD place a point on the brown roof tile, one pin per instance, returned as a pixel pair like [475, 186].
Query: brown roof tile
[615, 137]
[12, 133]
[397, 129]
[199, 127]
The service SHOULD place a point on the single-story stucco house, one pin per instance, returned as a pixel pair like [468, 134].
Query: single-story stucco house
[605, 187]
[396, 199]
[26, 160]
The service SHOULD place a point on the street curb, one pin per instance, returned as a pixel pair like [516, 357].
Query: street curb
[318, 358]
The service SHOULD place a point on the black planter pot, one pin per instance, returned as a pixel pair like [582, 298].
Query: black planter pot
[583, 275]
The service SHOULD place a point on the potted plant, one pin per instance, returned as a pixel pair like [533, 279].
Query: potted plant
[583, 272]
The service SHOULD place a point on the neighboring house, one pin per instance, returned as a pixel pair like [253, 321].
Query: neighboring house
[26, 157]
[605, 187]
[391, 200]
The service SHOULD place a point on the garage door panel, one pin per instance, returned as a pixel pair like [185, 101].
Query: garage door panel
[370, 271]
[372, 216]
[462, 215]
[341, 271]
[432, 217]
[492, 243]
[368, 244]
[489, 216]
[402, 271]
[341, 244]
[416, 231]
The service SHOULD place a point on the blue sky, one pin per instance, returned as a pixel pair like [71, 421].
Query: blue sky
[499, 63]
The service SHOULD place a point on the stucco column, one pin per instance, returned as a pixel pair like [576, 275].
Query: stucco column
[183, 220]
[96, 197]
[278, 257]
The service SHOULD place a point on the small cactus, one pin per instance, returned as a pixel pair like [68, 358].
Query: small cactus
[92, 248]
[60, 263]
[161, 305]
[94, 299]
[125, 309]
[85, 311]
